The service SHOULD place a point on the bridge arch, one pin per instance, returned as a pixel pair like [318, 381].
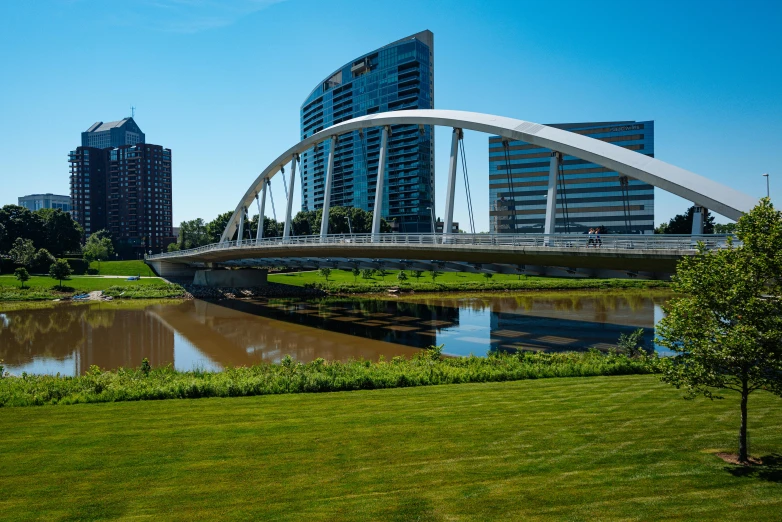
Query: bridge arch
[688, 185]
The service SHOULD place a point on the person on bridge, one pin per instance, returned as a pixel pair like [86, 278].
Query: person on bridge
[591, 241]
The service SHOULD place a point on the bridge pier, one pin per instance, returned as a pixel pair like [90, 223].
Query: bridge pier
[324, 223]
[242, 278]
[381, 171]
[698, 220]
[550, 224]
[450, 191]
[286, 233]
[261, 210]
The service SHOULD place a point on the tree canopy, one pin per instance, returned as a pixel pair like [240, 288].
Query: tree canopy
[47, 228]
[682, 224]
[98, 247]
[726, 323]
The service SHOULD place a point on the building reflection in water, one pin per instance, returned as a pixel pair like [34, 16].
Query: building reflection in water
[69, 338]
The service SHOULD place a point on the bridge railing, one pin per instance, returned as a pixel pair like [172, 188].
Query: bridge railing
[669, 242]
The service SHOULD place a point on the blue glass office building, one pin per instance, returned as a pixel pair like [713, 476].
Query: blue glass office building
[593, 196]
[395, 77]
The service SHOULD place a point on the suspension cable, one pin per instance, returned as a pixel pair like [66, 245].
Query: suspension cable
[466, 182]
[509, 173]
[563, 190]
[271, 197]
[624, 183]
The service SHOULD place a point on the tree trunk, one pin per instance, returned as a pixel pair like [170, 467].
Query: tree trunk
[743, 457]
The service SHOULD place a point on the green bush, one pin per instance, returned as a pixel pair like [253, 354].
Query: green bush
[428, 368]
[78, 266]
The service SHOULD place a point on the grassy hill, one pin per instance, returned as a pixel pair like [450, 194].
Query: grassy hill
[555, 449]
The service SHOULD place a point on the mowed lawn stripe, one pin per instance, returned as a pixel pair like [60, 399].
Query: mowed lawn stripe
[573, 448]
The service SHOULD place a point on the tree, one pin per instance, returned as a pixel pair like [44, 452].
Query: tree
[60, 270]
[41, 261]
[417, 274]
[98, 248]
[22, 251]
[325, 272]
[20, 222]
[21, 275]
[173, 247]
[383, 273]
[726, 325]
[488, 275]
[367, 273]
[726, 228]
[193, 234]
[682, 224]
[401, 276]
[434, 274]
[356, 272]
[215, 228]
[60, 232]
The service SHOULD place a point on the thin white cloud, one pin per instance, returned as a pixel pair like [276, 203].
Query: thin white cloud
[187, 16]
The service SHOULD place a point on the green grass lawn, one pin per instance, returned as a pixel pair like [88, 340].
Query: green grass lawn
[41, 287]
[342, 276]
[126, 268]
[603, 448]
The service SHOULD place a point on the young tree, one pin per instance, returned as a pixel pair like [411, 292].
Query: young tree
[434, 274]
[325, 272]
[383, 273]
[21, 275]
[22, 251]
[356, 272]
[488, 275]
[98, 248]
[418, 274]
[726, 325]
[41, 261]
[401, 276]
[60, 270]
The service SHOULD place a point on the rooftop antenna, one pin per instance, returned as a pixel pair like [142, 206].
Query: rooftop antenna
[132, 111]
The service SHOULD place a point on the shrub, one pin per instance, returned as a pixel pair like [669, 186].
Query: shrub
[78, 266]
[41, 262]
[92, 271]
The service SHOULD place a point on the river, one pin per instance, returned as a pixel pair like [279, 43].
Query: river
[68, 338]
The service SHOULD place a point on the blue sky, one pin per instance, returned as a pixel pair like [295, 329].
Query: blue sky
[221, 83]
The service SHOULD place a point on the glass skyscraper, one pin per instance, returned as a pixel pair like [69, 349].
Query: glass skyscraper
[588, 195]
[395, 77]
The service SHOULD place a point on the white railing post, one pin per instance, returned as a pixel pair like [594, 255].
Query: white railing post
[450, 191]
[286, 233]
[324, 223]
[381, 174]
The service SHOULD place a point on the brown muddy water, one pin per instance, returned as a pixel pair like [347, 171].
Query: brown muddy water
[68, 338]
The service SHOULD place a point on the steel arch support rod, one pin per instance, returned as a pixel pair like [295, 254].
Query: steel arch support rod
[324, 222]
[450, 191]
[381, 174]
[261, 210]
[286, 233]
[241, 227]
[551, 196]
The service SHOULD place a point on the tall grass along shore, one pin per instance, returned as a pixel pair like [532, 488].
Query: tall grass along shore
[428, 368]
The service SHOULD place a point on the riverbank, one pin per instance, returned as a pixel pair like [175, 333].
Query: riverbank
[425, 369]
[624, 447]
[342, 282]
[42, 288]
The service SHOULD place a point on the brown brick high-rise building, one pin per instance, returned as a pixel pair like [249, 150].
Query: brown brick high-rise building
[125, 189]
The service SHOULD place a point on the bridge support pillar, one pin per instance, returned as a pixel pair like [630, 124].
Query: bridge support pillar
[550, 224]
[241, 227]
[698, 220]
[450, 191]
[381, 174]
[261, 210]
[324, 224]
[286, 232]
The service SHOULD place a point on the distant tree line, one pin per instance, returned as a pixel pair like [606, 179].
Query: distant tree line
[51, 229]
[342, 220]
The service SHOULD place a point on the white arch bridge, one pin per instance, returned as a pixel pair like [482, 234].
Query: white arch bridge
[550, 253]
